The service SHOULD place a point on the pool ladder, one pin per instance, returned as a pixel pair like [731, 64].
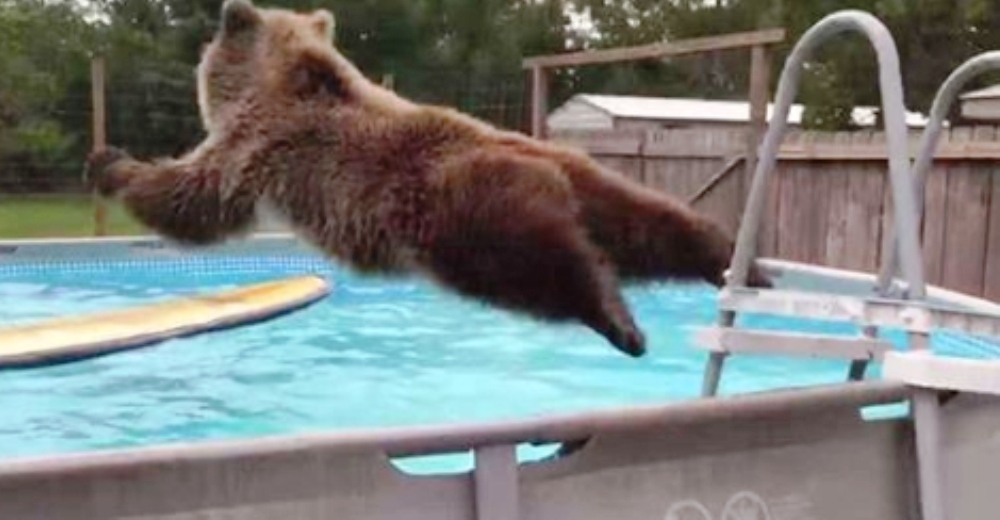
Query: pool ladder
[896, 303]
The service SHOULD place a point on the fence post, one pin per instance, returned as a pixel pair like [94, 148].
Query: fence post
[760, 73]
[97, 81]
[539, 100]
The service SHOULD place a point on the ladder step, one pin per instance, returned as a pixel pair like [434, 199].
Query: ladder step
[732, 340]
[905, 315]
[973, 323]
[924, 369]
[828, 307]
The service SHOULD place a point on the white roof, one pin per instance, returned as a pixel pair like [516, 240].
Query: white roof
[693, 109]
[988, 92]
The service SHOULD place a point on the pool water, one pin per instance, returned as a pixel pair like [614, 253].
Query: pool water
[374, 353]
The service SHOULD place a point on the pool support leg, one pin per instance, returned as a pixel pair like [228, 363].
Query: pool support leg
[927, 430]
[927, 420]
[496, 483]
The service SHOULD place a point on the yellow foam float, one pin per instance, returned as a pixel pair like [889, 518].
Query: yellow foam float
[77, 337]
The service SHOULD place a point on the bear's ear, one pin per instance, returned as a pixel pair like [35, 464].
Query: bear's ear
[316, 75]
[325, 23]
[238, 16]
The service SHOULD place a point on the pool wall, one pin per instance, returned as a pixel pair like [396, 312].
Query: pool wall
[795, 455]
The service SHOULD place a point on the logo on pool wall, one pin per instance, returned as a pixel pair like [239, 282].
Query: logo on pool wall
[688, 510]
[744, 505]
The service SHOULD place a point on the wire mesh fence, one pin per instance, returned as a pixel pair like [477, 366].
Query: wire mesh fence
[43, 151]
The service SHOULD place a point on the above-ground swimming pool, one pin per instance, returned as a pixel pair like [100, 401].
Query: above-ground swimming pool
[395, 353]
[375, 353]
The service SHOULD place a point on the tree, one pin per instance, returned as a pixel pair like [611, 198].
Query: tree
[933, 37]
[463, 53]
[42, 57]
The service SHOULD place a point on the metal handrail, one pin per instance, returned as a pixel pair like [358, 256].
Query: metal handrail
[890, 83]
[929, 140]
[905, 240]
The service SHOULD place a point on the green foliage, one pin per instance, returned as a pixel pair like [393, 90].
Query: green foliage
[933, 37]
[463, 53]
[42, 56]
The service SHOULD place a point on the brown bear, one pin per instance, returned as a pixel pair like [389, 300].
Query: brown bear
[391, 187]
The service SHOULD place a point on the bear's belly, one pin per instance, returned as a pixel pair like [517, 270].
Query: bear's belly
[359, 243]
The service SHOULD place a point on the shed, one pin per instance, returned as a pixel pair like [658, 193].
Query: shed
[607, 112]
[982, 104]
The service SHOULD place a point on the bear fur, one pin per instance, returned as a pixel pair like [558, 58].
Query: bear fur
[391, 187]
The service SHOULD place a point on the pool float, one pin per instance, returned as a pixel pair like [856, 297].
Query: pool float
[78, 337]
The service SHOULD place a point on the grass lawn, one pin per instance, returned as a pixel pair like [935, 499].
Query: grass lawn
[56, 216]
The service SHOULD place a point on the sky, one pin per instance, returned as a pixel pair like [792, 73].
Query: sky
[579, 21]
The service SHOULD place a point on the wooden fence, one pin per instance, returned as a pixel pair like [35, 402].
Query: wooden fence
[830, 199]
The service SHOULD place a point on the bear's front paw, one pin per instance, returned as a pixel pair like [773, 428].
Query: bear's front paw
[759, 277]
[98, 173]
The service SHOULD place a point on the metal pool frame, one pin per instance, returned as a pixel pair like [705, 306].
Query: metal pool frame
[793, 454]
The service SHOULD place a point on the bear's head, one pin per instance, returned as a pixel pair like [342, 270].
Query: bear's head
[256, 49]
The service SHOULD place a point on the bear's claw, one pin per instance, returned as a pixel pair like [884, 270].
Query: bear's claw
[628, 339]
[96, 170]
